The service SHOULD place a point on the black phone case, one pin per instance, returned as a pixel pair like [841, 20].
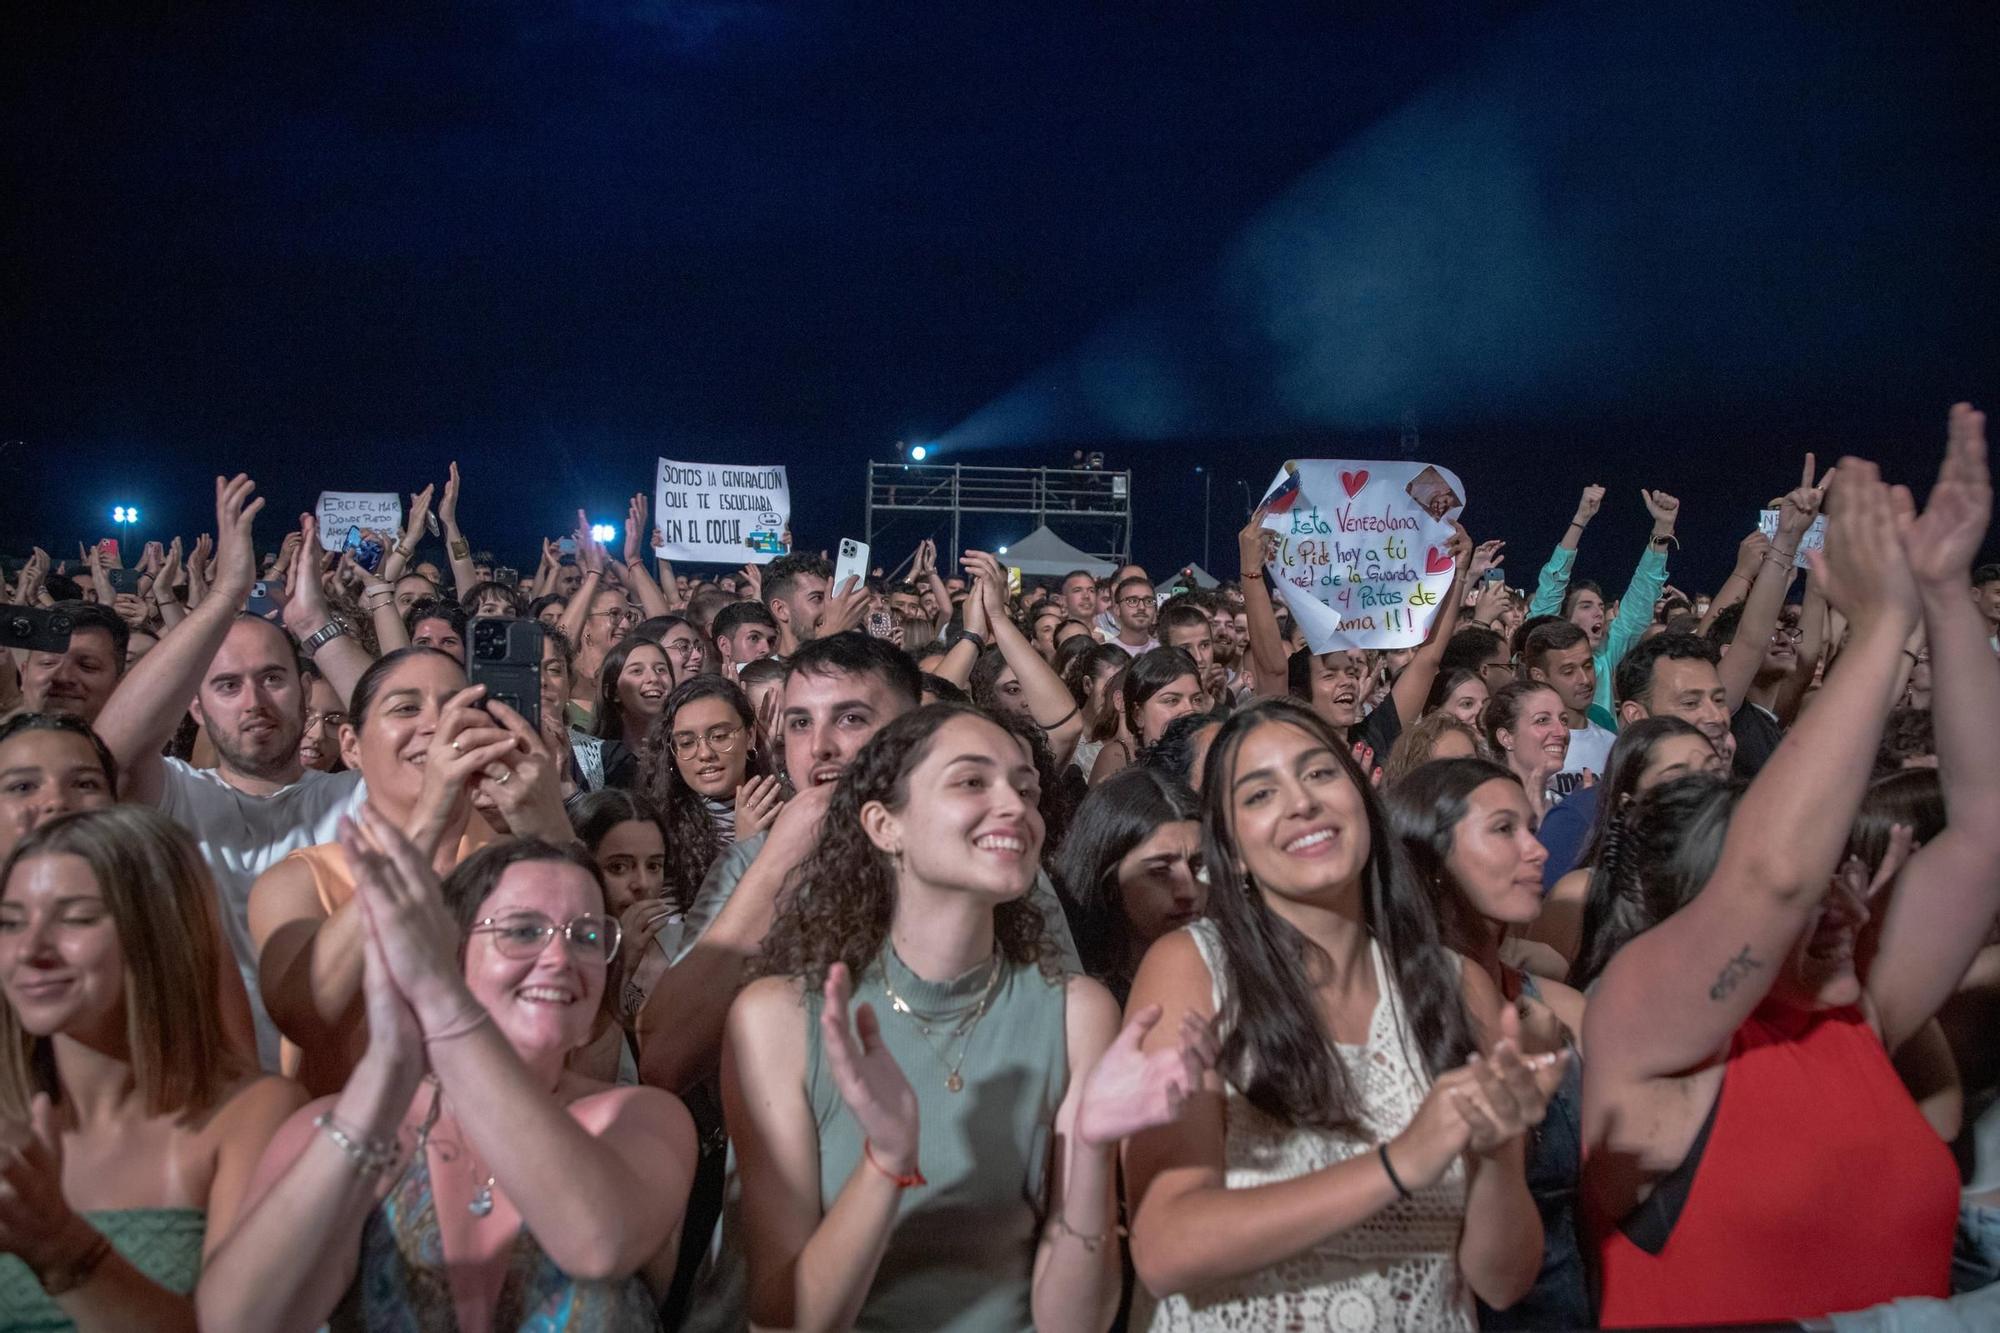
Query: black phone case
[506, 657]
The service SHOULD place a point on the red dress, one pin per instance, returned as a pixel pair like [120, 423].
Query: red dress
[1820, 1188]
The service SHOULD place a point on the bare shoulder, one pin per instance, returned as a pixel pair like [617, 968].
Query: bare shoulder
[253, 1108]
[1565, 1001]
[283, 893]
[1175, 976]
[641, 1109]
[1090, 1015]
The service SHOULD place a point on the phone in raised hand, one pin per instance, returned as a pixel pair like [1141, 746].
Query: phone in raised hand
[853, 564]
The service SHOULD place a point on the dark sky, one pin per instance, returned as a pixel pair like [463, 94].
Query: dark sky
[1638, 244]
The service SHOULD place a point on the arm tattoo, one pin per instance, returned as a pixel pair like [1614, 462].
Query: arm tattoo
[1732, 974]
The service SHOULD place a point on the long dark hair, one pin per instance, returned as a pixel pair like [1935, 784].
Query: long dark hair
[608, 719]
[1622, 769]
[693, 840]
[1151, 672]
[1658, 856]
[1117, 815]
[1425, 810]
[837, 906]
[1277, 1048]
[1081, 673]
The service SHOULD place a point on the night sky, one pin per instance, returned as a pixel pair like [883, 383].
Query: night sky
[1638, 244]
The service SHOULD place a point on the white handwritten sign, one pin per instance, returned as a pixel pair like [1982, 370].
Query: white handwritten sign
[1362, 552]
[340, 510]
[1814, 540]
[721, 513]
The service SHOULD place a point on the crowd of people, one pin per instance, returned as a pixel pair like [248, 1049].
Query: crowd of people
[951, 951]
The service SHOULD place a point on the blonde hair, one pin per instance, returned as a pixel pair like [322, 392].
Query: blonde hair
[162, 901]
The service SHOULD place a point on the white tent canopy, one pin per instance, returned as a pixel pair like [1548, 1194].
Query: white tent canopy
[1044, 554]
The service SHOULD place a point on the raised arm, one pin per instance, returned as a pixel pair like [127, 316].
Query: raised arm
[1943, 906]
[398, 559]
[340, 659]
[1413, 686]
[1745, 652]
[1750, 553]
[1553, 581]
[1267, 646]
[142, 713]
[590, 556]
[1671, 998]
[456, 548]
[653, 600]
[1049, 701]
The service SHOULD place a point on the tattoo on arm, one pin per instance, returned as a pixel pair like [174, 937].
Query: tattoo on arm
[1732, 974]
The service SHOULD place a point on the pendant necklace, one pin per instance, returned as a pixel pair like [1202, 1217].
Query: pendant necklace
[962, 1033]
[482, 1197]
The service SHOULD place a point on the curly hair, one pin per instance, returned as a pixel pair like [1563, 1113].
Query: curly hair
[837, 906]
[693, 840]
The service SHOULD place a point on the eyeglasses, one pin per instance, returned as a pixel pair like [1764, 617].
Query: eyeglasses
[1134, 603]
[623, 614]
[720, 739]
[331, 719]
[1792, 632]
[523, 935]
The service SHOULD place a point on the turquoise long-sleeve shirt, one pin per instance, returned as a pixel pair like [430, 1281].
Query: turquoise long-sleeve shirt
[1635, 612]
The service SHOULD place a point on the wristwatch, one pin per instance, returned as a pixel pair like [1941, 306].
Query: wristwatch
[321, 637]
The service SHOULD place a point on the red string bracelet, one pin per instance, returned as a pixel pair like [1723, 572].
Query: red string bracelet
[915, 1177]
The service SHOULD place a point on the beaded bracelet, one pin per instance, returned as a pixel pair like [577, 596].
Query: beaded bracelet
[371, 1157]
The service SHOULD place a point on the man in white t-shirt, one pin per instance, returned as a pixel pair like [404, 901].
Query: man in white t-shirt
[1558, 654]
[239, 676]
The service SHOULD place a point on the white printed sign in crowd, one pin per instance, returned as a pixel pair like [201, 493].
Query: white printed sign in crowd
[1362, 552]
[337, 511]
[1814, 540]
[721, 513]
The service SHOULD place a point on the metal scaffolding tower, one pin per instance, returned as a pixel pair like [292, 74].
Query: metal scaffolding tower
[1087, 507]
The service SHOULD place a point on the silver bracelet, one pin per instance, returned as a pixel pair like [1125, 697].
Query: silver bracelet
[371, 1157]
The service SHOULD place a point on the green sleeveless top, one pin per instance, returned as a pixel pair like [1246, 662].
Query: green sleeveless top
[962, 1254]
[162, 1243]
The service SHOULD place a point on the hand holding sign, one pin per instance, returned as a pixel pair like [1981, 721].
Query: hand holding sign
[337, 511]
[1365, 552]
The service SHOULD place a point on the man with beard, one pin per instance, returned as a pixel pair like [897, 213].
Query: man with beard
[1134, 608]
[239, 676]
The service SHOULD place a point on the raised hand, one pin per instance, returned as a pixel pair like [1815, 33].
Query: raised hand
[395, 1038]
[466, 740]
[753, 581]
[589, 551]
[1664, 508]
[235, 520]
[1256, 545]
[448, 503]
[1800, 506]
[198, 558]
[870, 1082]
[635, 530]
[36, 1222]
[1487, 555]
[1588, 505]
[34, 573]
[406, 914]
[1944, 540]
[169, 576]
[845, 608]
[1129, 1089]
[151, 558]
[524, 784]
[1506, 1096]
[1863, 569]
[758, 802]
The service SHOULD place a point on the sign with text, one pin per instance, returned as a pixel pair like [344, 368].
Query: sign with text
[1814, 540]
[721, 513]
[338, 511]
[1363, 553]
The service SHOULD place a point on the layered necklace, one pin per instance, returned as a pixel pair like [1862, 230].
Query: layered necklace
[959, 1032]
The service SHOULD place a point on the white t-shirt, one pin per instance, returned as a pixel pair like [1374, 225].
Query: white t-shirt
[1588, 748]
[242, 836]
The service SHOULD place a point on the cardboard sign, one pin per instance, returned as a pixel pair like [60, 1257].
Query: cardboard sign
[721, 513]
[340, 510]
[1814, 540]
[1363, 554]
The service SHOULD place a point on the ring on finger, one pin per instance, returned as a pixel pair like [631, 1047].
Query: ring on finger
[457, 748]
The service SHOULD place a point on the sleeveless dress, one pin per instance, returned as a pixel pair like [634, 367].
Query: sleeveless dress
[962, 1254]
[1398, 1269]
[1816, 1186]
[162, 1243]
[401, 1284]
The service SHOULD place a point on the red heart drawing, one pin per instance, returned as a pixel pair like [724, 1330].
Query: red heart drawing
[1354, 481]
[1437, 562]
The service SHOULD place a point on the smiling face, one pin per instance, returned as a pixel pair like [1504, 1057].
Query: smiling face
[1299, 823]
[1467, 700]
[711, 747]
[643, 683]
[1337, 679]
[1689, 689]
[547, 1004]
[77, 681]
[685, 650]
[632, 857]
[1539, 740]
[44, 774]
[1160, 887]
[1079, 596]
[971, 820]
[319, 743]
[394, 739]
[1495, 857]
[61, 967]
[825, 719]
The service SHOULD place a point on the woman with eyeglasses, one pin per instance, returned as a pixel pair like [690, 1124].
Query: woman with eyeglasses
[464, 1176]
[707, 779]
[632, 688]
[687, 647]
[450, 768]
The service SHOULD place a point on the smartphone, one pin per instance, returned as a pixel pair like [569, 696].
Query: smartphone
[1495, 574]
[431, 522]
[35, 629]
[1014, 582]
[567, 545]
[262, 604]
[367, 552]
[853, 564]
[123, 580]
[506, 576]
[110, 548]
[506, 657]
[881, 625]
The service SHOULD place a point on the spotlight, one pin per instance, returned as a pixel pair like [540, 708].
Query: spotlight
[918, 453]
[603, 532]
[124, 514]
[1003, 550]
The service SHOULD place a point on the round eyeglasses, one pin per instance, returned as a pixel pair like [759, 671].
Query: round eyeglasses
[523, 935]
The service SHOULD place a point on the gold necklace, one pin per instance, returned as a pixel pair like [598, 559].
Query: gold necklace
[953, 1082]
